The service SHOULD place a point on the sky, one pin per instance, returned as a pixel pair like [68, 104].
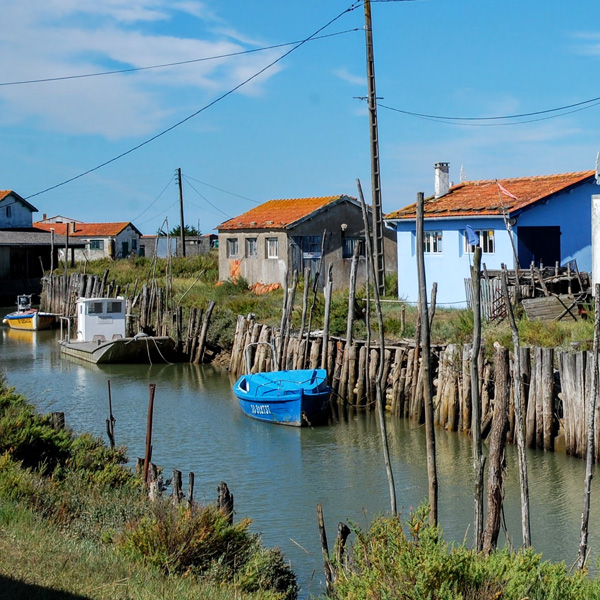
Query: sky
[252, 114]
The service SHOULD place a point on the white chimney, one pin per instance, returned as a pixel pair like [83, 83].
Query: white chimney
[442, 179]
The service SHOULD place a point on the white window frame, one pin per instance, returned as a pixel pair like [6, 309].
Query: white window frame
[252, 247]
[232, 247]
[272, 247]
[487, 241]
[432, 242]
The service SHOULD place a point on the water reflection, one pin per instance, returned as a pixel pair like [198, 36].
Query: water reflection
[279, 474]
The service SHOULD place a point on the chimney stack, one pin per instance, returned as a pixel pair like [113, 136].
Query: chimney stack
[72, 227]
[442, 179]
[43, 216]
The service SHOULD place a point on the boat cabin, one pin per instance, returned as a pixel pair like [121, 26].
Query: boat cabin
[100, 319]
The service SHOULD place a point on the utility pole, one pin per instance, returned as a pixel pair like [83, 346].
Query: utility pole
[182, 232]
[375, 173]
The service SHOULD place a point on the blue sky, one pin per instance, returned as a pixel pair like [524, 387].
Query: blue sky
[297, 129]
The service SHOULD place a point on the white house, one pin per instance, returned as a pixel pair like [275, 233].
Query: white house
[117, 240]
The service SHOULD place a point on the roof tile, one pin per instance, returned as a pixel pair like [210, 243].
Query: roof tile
[84, 229]
[483, 198]
[279, 214]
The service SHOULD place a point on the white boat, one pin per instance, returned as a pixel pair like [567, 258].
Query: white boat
[100, 336]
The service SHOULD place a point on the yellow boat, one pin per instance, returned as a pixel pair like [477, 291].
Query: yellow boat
[27, 318]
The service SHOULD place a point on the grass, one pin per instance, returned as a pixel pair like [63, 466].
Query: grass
[76, 523]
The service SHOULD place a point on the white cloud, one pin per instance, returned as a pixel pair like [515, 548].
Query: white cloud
[58, 38]
[345, 75]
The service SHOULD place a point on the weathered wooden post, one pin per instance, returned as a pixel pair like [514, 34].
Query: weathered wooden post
[148, 454]
[177, 495]
[497, 449]
[591, 413]
[110, 422]
[324, 549]
[379, 385]
[425, 354]
[476, 416]
[225, 501]
[327, 292]
[517, 396]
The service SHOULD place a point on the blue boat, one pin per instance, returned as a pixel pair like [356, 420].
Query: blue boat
[296, 397]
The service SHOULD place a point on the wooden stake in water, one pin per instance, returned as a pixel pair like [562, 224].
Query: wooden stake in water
[110, 422]
[148, 455]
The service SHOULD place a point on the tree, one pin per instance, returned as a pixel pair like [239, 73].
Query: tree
[188, 230]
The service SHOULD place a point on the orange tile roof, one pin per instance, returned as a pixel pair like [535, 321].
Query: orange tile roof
[279, 214]
[483, 198]
[84, 229]
[4, 193]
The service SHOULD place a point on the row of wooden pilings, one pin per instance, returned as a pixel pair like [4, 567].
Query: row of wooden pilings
[147, 307]
[555, 384]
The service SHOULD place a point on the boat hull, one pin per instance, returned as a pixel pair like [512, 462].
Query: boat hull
[32, 320]
[136, 350]
[294, 398]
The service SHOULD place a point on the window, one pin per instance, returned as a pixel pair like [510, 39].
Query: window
[95, 308]
[272, 248]
[486, 241]
[8, 211]
[134, 244]
[114, 307]
[432, 242]
[349, 244]
[251, 248]
[232, 247]
[96, 244]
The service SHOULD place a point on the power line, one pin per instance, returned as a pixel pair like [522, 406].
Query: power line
[591, 102]
[186, 177]
[172, 64]
[205, 199]
[154, 201]
[352, 7]
[471, 124]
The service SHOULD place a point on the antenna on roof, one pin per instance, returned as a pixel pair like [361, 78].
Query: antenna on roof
[598, 168]
[462, 173]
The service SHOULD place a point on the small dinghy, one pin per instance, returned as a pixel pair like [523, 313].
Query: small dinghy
[296, 397]
[28, 318]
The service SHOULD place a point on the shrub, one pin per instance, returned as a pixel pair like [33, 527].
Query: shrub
[386, 562]
[200, 540]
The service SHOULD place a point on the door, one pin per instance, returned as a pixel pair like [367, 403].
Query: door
[306, 253]
[540, 245]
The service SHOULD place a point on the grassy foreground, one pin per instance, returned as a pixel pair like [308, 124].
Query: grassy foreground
[76, 523]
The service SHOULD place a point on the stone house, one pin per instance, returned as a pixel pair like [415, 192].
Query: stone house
[280, 236]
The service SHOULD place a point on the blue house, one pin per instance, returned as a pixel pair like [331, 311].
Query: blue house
[541, 220]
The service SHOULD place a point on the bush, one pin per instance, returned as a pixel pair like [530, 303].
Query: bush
[201, 541]
[385, 562]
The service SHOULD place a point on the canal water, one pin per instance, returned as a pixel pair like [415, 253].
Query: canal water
[279, 474]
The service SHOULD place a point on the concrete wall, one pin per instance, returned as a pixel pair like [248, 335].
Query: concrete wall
[20, 215]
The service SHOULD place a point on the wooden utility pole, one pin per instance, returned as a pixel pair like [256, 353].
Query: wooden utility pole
[425, 359]
[182, 233]
[378, 253]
